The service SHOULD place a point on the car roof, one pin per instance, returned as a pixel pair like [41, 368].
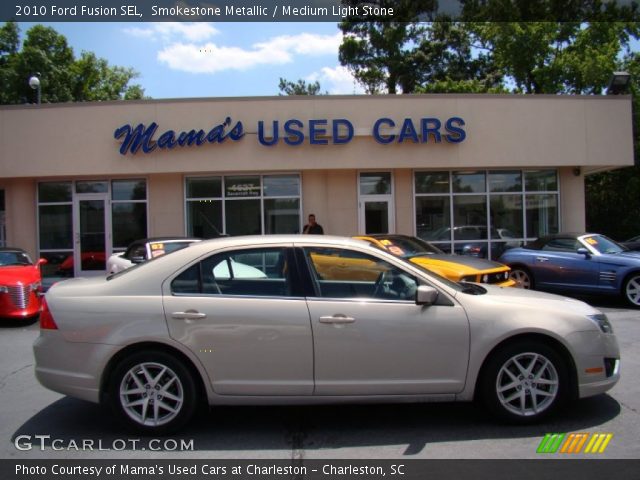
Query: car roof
[12, 249]
[166, 239]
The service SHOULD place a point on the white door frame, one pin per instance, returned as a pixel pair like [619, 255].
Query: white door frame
[387, 198]
[77, 263]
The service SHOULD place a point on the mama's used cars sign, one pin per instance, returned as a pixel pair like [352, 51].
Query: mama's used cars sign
[147, 138]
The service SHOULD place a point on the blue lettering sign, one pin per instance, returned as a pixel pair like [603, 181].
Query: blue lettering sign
[316, 133]
[430, 126]
[141, 137]
[376, 131]
[408, 131]
[336, 131]
[295, 136]
[456, 134]
[274, 136]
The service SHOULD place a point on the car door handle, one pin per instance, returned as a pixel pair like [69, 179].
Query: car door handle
[542, 259]
[188, 315]
[337, 319]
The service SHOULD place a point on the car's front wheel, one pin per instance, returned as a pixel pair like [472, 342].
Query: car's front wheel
[522, 277]
[631, 290]
[524, 382]
[153, 393]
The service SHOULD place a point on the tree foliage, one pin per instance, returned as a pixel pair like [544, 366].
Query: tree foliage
[63, 77]
[301, 87]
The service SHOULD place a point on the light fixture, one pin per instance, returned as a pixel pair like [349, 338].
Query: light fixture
[34, 82]
[618, 83]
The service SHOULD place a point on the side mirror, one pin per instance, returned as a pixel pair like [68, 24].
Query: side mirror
[584, 251]
[426, 295]
[137, 259]
[41, 261]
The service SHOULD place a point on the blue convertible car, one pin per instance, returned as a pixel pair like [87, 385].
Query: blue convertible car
[578, 263]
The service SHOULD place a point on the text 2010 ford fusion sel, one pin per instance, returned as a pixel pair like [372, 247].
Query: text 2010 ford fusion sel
[324, 319]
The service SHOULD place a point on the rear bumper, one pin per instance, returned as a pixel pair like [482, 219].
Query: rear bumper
[70, 368]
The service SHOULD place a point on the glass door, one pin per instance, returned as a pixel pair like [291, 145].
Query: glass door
[92, 240]
[375, 203]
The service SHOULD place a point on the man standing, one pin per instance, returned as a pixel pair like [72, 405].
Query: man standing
[312, 227]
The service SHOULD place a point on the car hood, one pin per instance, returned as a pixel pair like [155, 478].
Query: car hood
[535, 299]
[14, 275]
[473, 263]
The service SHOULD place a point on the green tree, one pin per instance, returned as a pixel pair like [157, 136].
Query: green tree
[301, 87]
[63, 77]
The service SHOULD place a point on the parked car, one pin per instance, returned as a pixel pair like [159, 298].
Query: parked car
[586, 263]
[475, 240]
[20, 284]
[457, 268]
[632, 243]
[142, 250]
[157, 339]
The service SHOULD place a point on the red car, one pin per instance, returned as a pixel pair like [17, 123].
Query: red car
[20, 284]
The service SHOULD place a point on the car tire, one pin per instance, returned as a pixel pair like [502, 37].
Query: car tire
[524, 382]
[153, 393]
[631, 290]
[523, 277]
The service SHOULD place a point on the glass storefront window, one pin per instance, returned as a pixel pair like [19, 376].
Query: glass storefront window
[542, 215]
[128, 222]
[50, 192]
[468, 182]
[242, 186]
[251, 204]
[469, 217]
[281, 185]
[204, 187]
[433, 218]
[92, 187]
[282, 215]
[506, 215]
[541, 180]
[505, 181]
[56, 227]
[204, 218]
[242, 217]
[520, 205]
[128, 190]
[375, 183]
[436, 182]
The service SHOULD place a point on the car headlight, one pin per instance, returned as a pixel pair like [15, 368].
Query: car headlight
[601, 320]
[4, 289]
[35, 286]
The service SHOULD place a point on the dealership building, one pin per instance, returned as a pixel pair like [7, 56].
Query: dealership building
[471, 173]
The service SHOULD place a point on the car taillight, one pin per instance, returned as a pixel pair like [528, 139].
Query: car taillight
[46, 319]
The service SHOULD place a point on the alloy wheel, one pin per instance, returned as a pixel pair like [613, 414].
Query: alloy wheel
[632, 290]
[522, 279]
[151, 394]
[527, 384]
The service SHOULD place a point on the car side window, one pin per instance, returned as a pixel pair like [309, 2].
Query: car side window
[340, 273]
[256, 272]
[562, 245]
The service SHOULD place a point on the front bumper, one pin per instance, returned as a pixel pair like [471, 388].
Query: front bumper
[597, 358]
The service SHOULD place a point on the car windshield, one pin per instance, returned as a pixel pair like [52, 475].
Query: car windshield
[14, 258]
[407, 247]
[603, 244]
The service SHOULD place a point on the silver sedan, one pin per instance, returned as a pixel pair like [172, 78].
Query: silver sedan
[323, 319]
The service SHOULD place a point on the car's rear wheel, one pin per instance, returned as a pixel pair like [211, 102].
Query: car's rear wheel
[631, 290]
[525, 382]
[522, 277]
[153, 393]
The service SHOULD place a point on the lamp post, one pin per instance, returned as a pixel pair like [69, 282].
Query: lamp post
[34, 82]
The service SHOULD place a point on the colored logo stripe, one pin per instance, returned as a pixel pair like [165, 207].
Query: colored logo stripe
[598, 443]
[550, 443]
[574, 442]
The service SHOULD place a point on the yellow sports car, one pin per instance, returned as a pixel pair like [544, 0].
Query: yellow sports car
[459, 268]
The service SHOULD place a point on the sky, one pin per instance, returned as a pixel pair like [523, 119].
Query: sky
[178, 60]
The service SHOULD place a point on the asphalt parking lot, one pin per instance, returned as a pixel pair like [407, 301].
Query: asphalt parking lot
[36, 423]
